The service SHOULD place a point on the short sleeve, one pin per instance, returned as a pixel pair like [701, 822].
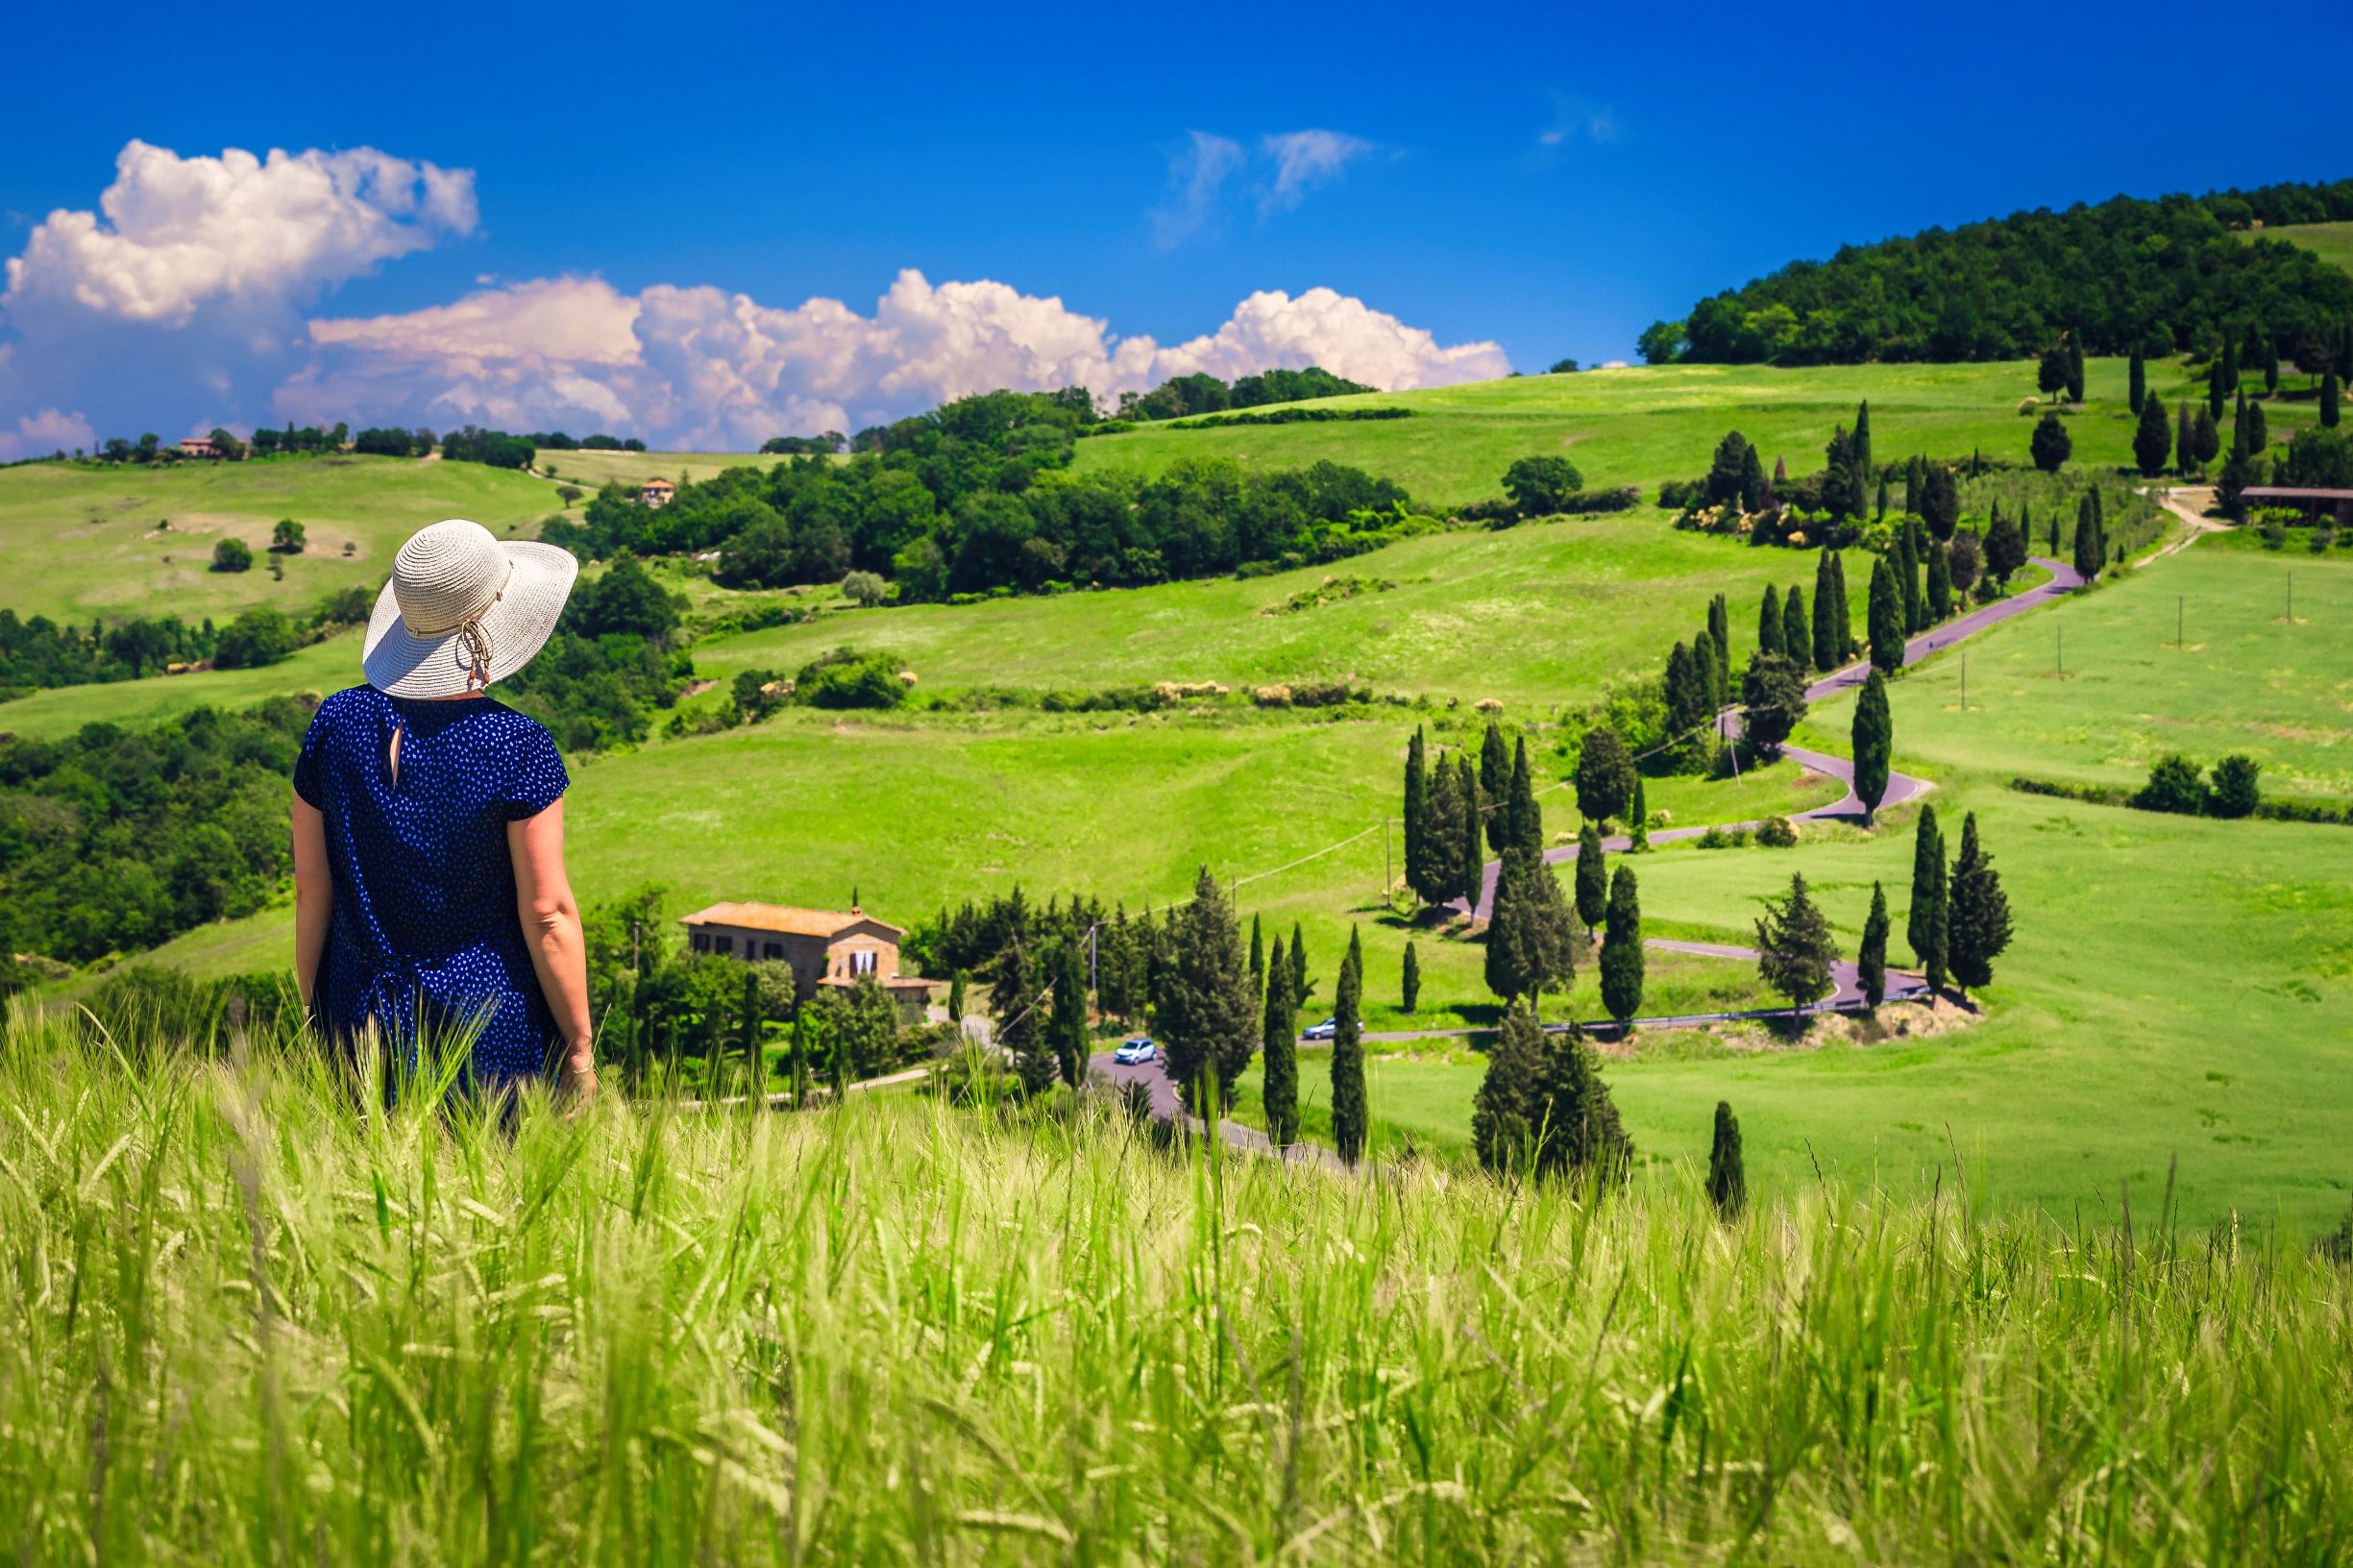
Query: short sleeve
[535, 777]
[307, 764]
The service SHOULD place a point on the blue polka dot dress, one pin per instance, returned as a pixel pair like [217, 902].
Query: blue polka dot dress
[425, 928]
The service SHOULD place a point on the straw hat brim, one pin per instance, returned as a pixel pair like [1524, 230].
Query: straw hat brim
[518, 627]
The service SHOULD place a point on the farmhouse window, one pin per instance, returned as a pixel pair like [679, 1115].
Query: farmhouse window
[723, 944]
[702, 942]
[861, 962]
[772, 950]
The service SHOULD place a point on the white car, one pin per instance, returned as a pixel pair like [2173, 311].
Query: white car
[1134, 1052]
[1325, 1030]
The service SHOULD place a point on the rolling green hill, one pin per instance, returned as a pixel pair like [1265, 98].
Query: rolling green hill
[2330, 242]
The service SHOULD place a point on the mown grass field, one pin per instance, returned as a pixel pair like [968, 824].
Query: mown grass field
[2332, 242]
[1644, 424]
[83, 541]
[592, 470]
[240, 1325]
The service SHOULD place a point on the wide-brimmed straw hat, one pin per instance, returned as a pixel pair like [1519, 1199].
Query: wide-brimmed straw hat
[463, 609]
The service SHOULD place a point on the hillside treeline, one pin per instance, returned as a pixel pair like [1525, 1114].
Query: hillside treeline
[976, 496]
[2165, 276]
[1183, 396]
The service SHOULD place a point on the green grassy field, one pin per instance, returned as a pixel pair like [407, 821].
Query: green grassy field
[1644, 424]
[1535, 616]
[322, 668]
[2332, 242]
[240, 1325]
[80, 541]
[592, 470]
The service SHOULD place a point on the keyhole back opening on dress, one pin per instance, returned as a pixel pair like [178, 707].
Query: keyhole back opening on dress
[392, 754]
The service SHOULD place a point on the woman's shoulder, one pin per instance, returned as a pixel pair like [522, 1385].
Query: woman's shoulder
[346, 706]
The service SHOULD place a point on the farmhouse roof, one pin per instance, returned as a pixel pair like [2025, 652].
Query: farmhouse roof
[785, 919]
[2280, 491]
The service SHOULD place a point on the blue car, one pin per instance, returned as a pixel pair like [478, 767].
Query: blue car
[1325, 1030]
[1134, 1052]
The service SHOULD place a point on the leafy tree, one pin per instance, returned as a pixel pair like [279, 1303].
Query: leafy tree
[1772, 701]
[2135, 381]
[1978, 927]
[2271, 365]
[2237, 786]
[1622, 963]
[1828, 648]
[1592, 877]
[1885, 618]
[1067, 1028]
[286, 537]
[232, 555]
[1503, 1128]
[253, 639]
[2052, 446]
[1941, 502]
[2005, 547]
[1871, 959]
[2151, 438]
[1578, 1131]
[1638, 821]
[1202, 1003]
[1879, 506]
[1794, 949]
[1416, 814]
[1872, 739]
[1530, 939]
[1495, 785]
[1524, 825]
[2239, 472]
[1279, 1040]
[1539, 486]
[2050, 371]
[1014, 993]
[1940, 583]
[1605, 775]
[1727, 1182]
[1409, 984]
[1350, 1123]
[1769, 621]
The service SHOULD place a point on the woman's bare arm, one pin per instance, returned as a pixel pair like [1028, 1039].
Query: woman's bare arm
[315, 894]
[551, 924]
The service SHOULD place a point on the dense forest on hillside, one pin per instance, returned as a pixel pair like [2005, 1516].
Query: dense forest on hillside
[2167, 276]
[976, 496]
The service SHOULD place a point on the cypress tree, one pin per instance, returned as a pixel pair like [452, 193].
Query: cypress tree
[1301, 987]
[1279, 1040]
[1824, 641]
[2208, 436]
[2271, 365]
[1441, 837]
[1349, 1124]
[1067, 1027]
[1577, 1127]
[1686, 693]
[1258, 961]
[2238, 424]
[1915, 484]
[1471, 875]
[1796, 628]
[2328, 399]
[1862, 439]
[1886, 617]
[1502, 1127]
[1592, 877]
[1495, 785]
[1622, 949]
[2074, 367]
[1755, 490]
[1794, 947]
[1638, 824]
[1879, 512]
[2150, 441]
[1872, 739]
[1925, 921]
[748, 1028]
[1979, 927]
[955, 998]
[1410, 983]
[1871, 959]
[2088, 548]
[1907, 579]
[1605, 775]
[1846, 612]
[1709, 672]
[1530, 934]
[1417, 808]
[2136, 381]
[1727, 1183]
[1012, 995]
[1202, 1003]
[2258, 428]
[1769, 621]
[2185, 440]
[1526, 827]
[2220, 376]
[1940, 583]
[1720, 632]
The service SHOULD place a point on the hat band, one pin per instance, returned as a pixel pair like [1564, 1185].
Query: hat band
[469, 618]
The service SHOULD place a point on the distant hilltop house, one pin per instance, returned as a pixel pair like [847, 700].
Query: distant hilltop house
[825, 947]
[198, 446]
[656, 492]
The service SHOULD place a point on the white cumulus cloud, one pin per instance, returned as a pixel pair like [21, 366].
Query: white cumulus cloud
[704, 368]
[36, 435]
[1304, 159]
[191, 278]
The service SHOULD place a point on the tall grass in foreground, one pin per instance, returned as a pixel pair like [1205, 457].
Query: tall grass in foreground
[240, 1324]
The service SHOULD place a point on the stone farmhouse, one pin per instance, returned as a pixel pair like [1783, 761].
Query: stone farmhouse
[825, 947]
[657, 493]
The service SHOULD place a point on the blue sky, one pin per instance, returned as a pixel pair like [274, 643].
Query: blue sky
[1546, 180]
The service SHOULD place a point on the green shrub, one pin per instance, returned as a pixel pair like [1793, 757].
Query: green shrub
[1776, 833]
[232, 555]
[253, 639]
[2237, 791]
[2175, 785]
[846, 678]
